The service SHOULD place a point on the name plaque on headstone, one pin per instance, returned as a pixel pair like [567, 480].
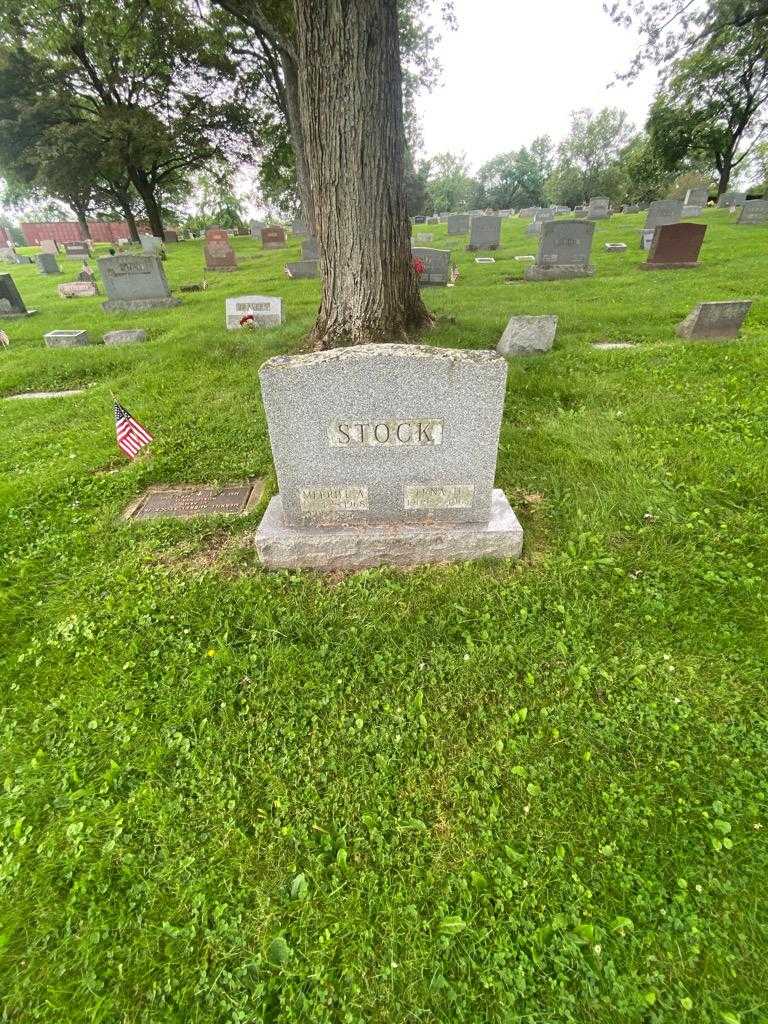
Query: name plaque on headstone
[189, 502]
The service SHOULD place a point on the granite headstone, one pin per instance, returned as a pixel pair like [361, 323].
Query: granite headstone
[564, 251]
[715, 320]
[484, 233]
[675, 247]
[135, 283]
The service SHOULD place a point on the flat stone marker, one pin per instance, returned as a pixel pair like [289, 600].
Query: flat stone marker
[424, 236]
[273, 238]
[715, 320]
[262, 311]
[309, 250]
[77, 250]
[607, 346]
[47, 264]
[599, 208]
[615, 247]
[675, 247]
[729, 199]
[457, 223]
[484, 259]
[11, 303]
[696, 196]
[303, 268]
[564, 251]
[190, 502]
[754, 211]
[484, 233]
[78, 290]
[49, 246]
[437, 266]
[385, 454]
[46, 394]
[219, 254]
[135, 283]
[124, 337]
[527, 335]
[66, 339]
[525, 259]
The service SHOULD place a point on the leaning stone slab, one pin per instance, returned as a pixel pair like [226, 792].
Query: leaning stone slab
[47, 264]
[696, 196]
[715, 320]
[135, 283]
[527, 335]
[66, 339]
[675, 247]
[385, 454]
[125, 337]
[303, 268]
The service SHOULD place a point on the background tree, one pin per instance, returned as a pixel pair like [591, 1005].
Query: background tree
[516, 178]
[215, 201]
[643, 173]
[589, 158]
[450, 186]
[712, 105]
[416, 185]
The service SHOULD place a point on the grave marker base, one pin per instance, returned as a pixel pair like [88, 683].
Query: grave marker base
[565, 272]
[341, 548]
[669, 266]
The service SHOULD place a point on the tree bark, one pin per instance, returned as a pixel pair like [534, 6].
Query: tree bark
[82, 220]
[351, 117]
[144, 187]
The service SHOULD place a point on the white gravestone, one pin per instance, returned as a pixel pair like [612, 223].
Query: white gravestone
[265, 310]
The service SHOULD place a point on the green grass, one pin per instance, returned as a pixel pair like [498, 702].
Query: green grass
[525, 792]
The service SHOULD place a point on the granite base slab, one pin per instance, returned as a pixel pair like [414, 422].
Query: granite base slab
[138, 305]
[565, 272]
[669, 266]
[15, 314]
[341, 548]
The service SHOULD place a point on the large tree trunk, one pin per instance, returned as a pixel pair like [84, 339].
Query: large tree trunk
[293, 118]
[130, 220]
[82, 220]
[144, 187]
[724, 177]
[351, 115]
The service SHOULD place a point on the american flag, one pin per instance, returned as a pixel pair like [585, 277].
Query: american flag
[131, 436]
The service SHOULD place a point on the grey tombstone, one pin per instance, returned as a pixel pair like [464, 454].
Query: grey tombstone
[385, 454]
[309, 250]
[437, 265]
[646, 238]
[135, 283]
[419, 220]
[299, 228]
[255, 310]
[484, 233]
[423, 236]
[564, 251]
[49, 246]
[458, 223]
[728, 199]
[126, 337]
[303, 268]
[77, 250]
[255, 227]
[150, 245]
[696, 196]
[11, 303]
[527, 335]
[754, 211]
[66, 339]
[691, 211]
[539, 218]
[715, 320]
[599, 208]
[47, 264]
[630, 208]
[663, 211]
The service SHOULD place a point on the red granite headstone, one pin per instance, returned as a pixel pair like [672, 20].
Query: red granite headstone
[219, 254]
[273, 238]
[675, 247]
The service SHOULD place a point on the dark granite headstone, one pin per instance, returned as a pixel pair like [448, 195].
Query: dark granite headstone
[675, 247]
[219, 254]
[273, 238]
[11, 303]
[303, 268]
[47, 264]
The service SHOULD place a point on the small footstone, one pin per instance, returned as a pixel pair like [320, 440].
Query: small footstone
[46, 394]
[66, 339]
[484, 259]
[124, 337]
[525, 259]
[607, 346]
[615, 247]
[527, 335]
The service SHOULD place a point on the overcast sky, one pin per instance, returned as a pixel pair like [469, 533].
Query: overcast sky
[516, 68]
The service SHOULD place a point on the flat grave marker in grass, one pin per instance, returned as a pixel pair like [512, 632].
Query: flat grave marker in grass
[78, 290]
[66, 339]
[715, 320]
[675, 247]
[385, 454]
[135, 283]
[191, 502]
[46, 394]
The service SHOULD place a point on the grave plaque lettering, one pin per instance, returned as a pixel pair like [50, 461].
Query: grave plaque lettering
[564, 251]
[484, 233]
[457, 223]
[135, 283]
[754, 211]
[190, 502]
[11, 303]
[219, 254]
[78, 290]
[715, 320]
[253, 311]
[273, 238]
[436, 263]
[385, 454]
[675, 247]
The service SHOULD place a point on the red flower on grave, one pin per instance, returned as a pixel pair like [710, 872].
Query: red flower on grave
[418, 265]
[247, 320]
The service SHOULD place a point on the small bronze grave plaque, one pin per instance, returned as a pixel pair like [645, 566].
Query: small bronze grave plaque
[189, 502]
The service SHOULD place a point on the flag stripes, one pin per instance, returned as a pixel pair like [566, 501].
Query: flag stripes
[131, 436]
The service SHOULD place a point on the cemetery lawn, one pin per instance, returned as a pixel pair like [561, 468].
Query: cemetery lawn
[500, 792]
